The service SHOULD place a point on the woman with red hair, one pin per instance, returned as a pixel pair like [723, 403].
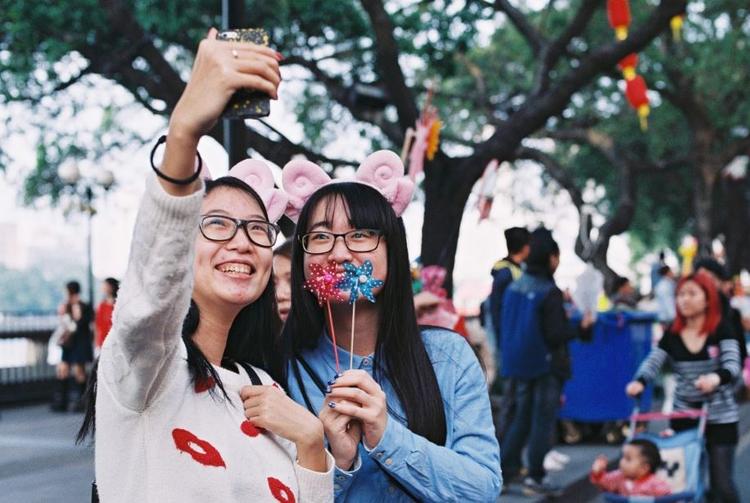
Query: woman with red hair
[705, 359]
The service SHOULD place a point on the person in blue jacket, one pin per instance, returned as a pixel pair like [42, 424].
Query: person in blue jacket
[412, 420]
[535, 331]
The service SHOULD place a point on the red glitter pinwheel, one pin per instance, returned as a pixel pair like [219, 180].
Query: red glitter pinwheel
[322, 283]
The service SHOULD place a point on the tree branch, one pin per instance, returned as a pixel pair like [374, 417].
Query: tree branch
[532, 115]
[551, 53]
[124, 23]
[297, 148]
[535, 39]
[342, 95]
[386, 51]
[555, 170]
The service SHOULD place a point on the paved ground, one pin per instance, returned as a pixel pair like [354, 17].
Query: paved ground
[39, 461]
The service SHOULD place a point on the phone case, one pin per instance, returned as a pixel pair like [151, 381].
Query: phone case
[245, 104]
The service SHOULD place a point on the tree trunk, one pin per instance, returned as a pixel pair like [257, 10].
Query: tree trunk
[446, 193]
[704, 182]
[736, 223]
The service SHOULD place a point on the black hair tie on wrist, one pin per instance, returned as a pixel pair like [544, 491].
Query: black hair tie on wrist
[176, 181]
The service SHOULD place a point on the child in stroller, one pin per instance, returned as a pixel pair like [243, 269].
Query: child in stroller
[636, 475]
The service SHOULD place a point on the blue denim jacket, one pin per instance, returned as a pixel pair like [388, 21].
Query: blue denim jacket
[466, 469]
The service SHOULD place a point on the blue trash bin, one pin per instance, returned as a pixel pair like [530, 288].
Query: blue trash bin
[605, 365]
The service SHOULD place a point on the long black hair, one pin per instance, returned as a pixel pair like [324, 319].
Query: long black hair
[252, 336]
[399, 344]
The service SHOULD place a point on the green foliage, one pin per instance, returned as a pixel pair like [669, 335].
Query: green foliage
[483, 67]
[34, 289]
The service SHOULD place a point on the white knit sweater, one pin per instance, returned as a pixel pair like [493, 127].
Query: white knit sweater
[158, 439]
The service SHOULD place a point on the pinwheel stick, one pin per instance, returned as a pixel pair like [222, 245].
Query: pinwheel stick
[333, 337]
[351, 338]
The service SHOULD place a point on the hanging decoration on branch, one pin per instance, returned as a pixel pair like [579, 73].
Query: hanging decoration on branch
[618, 14]
[636, 93]
[628, 66]
[676, 24]
[426, 137]
[487, 189]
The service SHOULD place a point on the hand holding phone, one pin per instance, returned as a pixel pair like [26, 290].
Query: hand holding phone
[244, 103]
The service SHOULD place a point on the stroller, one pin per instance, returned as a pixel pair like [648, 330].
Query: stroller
[683, 458]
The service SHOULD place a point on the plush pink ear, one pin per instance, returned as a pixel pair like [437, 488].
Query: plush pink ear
[385, 171]
[300, 178]
[205, 172]
[258, 175]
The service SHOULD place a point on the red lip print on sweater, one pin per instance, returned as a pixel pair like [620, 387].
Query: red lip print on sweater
[200, 450]
[280, 491]
[250, 429]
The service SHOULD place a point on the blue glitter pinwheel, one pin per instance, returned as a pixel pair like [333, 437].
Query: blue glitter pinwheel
[359, 281]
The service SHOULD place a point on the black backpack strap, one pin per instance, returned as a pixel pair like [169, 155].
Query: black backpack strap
[302, 388]
[251, 373]
[314, 375]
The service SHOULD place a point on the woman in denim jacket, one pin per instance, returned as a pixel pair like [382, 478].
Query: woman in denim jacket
[411, 420]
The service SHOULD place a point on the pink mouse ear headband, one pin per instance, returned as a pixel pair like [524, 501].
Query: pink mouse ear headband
[382, 170]
[258, 176]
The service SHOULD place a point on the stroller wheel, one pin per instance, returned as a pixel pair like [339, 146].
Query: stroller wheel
[571, 432]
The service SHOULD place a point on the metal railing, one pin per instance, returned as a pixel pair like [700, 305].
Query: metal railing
[25, 373]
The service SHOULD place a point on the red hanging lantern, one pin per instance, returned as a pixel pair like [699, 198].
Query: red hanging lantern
[618, 13]
[636, 92]
[627, 66]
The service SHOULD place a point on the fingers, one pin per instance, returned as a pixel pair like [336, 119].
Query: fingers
[352, 394]
[366, 415]
[247, 48]
[255, 391]
[212, 32]
[359, 379]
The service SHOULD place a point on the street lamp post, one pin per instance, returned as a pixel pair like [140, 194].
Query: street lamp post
[233, 16]
[83, 188]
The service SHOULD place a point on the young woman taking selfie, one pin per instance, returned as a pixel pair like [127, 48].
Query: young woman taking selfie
[187, 408]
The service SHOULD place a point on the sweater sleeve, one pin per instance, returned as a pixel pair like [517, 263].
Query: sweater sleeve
[607, 481]
[729, 354]
[153, 299]
[316, 487]
[653, 363]
[467, 468]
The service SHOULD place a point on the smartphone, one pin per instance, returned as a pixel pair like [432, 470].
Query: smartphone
[246, 104]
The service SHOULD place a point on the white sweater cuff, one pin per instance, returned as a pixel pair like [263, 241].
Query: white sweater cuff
[316, 486]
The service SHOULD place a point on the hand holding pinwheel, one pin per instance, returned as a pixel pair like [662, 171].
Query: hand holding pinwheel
[358, 280]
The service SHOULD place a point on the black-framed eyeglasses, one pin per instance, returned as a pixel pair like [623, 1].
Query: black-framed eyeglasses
[224, 228]
[358, 241]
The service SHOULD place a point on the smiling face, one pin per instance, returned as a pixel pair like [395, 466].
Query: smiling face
[331, 215]
[232, 273]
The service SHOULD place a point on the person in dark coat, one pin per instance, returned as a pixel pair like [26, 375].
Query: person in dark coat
[535, 331]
